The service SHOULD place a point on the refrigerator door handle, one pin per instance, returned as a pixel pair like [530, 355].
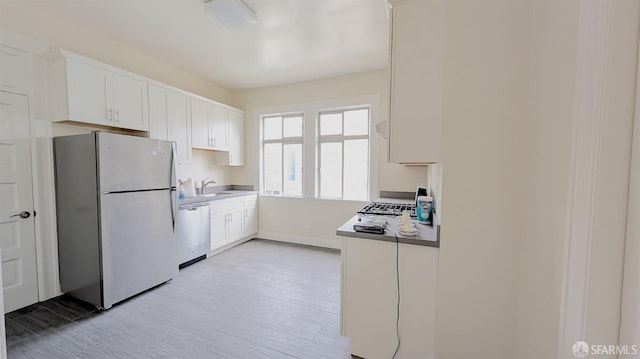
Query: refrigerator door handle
[172, 195]
[172, 186]
[172, 179]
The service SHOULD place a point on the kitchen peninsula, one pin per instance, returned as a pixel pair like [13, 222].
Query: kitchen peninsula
[375, 269]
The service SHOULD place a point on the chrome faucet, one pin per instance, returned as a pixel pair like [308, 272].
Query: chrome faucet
[204, 183]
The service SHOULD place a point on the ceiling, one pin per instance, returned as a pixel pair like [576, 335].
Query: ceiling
[293, 41]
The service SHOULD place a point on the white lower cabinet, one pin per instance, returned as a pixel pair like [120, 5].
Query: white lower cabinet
[369, 298]
[250, 215]
[233, 219]
[218, 229]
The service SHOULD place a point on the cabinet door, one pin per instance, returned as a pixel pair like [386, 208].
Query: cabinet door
[130, 103]
[218, 230]
[218, 123]
[200, 132]
[250, 221]
[157, 113]
[14, 70]
[236, 139]
[235, 225]
[369, 282]
[416, 82]
[89, 94]
[179, 125]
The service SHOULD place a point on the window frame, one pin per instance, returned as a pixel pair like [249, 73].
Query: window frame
[320, 139]
[284, 141]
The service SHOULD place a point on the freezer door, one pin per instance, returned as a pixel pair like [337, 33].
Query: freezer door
[129, 163]
[138, 246]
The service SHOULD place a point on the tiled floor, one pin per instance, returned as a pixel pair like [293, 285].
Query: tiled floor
[262, 299]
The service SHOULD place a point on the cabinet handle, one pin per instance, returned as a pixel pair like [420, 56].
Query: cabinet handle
[117, 116]
[213, 140]
[230, 158]
[109, 114]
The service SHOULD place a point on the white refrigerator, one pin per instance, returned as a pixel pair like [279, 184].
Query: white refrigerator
[116, 210]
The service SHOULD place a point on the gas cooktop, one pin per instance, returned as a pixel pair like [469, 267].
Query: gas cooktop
[388, 209]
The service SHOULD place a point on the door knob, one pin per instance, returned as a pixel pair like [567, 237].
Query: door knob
[23, 215]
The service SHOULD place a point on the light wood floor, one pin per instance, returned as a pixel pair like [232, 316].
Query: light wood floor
[259, 300]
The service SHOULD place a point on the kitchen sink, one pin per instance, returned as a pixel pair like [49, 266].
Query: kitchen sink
[209, 195]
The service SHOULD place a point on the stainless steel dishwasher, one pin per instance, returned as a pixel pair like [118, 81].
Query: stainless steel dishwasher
[193, 232]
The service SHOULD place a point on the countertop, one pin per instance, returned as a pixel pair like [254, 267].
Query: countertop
[428, 234]
[219, 196]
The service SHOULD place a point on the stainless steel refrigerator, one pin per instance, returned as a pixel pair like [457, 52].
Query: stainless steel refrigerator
[116, 208]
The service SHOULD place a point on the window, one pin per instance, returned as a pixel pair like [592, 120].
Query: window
[343, 154]
[282, 155]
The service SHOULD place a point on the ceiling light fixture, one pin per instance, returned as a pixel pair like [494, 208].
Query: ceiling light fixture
[231, 13]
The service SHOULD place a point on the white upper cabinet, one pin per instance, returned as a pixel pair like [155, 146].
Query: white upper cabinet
[209, 125]
[235, 155]
[200, 132]
[158, 113]
[169, 119]
[417, 64]
[219, 127]
[130, 103]
[83, 91]
[179, 125]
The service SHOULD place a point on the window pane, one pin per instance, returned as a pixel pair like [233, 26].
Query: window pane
[331, 170]
[330, 124]
[293, 170]
[356, 169]
[272, 128]
[273, 169]
[292, 127]
[356, 122]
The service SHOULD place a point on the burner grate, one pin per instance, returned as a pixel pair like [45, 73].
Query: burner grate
[388, 209]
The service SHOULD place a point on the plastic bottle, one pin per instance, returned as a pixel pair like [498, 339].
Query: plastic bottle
[180, 190]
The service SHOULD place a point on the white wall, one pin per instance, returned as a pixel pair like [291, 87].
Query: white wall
[630, 323]
[546, 176]
[309, 218]
[522, 86]
[487, 55]
[612, 169]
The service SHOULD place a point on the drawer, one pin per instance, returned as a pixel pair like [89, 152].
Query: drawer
[224, 206]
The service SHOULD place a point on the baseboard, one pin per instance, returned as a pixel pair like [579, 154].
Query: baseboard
[230, 245]
[298, 239]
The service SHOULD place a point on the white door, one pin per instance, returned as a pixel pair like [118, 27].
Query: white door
[250, 221]
[90, 94]
[17, 233]
[200, 132]
[235, 227]
[218, 121]
[236, 140]
[157, 113]
[179, 125]
[218, 230]
[130, 104]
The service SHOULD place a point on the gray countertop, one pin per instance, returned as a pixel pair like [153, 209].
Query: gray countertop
[218, 196]
[428, 234]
